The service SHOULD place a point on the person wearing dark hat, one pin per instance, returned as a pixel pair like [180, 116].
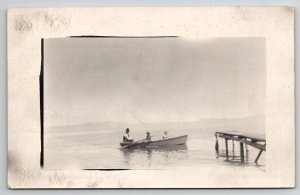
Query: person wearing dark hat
[148, 137]
[126, 137]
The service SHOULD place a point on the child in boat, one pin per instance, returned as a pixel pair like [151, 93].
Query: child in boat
[165, 135]
[126, 137]
[148, 137]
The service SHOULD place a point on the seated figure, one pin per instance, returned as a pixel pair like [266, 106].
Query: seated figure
[126, 137]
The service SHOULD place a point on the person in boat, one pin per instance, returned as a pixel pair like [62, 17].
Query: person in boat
[165, 135]
[126, 137]
[148, 137]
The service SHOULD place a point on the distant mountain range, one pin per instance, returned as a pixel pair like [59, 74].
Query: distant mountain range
[253, 124]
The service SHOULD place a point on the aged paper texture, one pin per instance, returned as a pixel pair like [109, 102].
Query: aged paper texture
[172, 71]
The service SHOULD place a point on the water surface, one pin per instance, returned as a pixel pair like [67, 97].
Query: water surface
[94, 149]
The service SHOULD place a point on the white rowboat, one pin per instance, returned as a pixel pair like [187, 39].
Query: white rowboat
[156, 143]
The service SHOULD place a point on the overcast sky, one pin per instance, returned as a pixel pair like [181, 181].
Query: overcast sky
[153, 79]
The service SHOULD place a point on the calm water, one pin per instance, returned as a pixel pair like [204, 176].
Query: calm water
[101, 150]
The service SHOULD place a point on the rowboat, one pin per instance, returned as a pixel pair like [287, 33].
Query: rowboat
[148, 150]
[181, 140]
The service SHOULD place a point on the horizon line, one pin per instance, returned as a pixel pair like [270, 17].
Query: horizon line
[131, 123]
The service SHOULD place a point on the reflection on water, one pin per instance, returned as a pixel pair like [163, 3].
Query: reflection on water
[165, 154]
[102, 151]
[234, 155]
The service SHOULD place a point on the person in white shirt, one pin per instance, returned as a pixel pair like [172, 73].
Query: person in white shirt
[165, 135]
[126, 137]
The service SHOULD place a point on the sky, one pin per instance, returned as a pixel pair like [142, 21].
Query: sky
[149, 80]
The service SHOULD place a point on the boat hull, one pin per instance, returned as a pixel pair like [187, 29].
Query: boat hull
[181, 140]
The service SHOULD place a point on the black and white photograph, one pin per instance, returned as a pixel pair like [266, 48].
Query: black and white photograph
[154, 103]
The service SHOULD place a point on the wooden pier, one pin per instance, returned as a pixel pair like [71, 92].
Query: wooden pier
[254, 140]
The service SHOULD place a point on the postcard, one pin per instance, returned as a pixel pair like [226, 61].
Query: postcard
[151, 97]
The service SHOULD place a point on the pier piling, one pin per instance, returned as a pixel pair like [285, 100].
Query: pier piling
[242, 152]
[226, 146]
[233, 149]
[217, 144]
[258, 156]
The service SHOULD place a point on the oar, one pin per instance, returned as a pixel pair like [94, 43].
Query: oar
[136, 142]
